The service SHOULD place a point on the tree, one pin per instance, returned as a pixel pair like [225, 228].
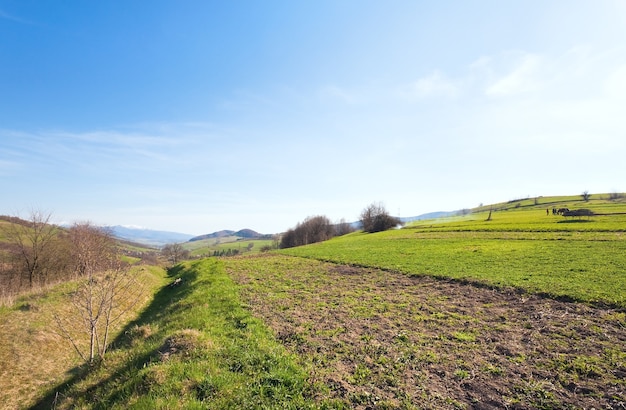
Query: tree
[343, 228]
[105, 293]
[93, 249]
[586, 195]
[313, 229]
[174, 252]
[34, 241]
[375, 218]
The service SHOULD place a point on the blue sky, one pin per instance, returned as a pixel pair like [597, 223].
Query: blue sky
[196, 116]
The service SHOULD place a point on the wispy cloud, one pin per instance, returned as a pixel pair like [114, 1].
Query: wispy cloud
[336, 93]
[522, 78]
[7, 16]
[435, 85]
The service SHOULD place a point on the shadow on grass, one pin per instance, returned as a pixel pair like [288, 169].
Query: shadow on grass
[574, 221]
[161, 305]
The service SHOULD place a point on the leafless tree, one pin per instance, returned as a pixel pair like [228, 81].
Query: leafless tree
[343, 228]
[375, 218]
[33, 241]
[586, 195]
[312, 229]
[93, 249]
[174, 252]
[105, 293]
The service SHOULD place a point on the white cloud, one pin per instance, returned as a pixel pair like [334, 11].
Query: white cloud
[524, 77]
[435, 85]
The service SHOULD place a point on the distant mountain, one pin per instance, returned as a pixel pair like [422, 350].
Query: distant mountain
[148, 236]
[244, 233]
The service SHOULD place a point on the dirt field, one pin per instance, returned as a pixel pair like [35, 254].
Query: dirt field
[375, 339]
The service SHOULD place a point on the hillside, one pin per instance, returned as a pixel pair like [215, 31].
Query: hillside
[243, 233]
[505, 306]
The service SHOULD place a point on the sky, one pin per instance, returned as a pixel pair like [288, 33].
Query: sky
[195, 116]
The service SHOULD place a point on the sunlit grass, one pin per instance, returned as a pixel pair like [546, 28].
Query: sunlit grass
[523, 248]
[195, 347]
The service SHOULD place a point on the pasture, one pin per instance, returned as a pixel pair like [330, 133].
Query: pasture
[581, 259]
[207, 247]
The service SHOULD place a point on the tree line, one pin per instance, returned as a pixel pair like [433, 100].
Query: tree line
[374, 218]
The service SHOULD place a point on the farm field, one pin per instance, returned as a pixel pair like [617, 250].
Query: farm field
[578, 259]
[371, 338]
[207, 247]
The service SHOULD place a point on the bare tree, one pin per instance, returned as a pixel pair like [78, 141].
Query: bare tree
[99, 302]
[586, 195]
[375, 218]
[33, 241]
[343, 228]
[93, 249]
[106, 292]
[312, 229]
[174, 252]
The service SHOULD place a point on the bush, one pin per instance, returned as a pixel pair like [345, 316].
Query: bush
[375, 218]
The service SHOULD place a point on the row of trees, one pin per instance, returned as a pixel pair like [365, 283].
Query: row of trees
[374, 218]
[38, 253]
[312, 229]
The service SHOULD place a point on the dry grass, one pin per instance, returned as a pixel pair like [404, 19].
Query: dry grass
[34, 356]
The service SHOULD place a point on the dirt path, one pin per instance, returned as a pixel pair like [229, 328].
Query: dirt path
[375, 339]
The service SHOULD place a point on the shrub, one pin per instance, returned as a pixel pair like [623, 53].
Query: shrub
[375, 218]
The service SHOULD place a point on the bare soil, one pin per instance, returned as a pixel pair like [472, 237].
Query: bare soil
[374, 339]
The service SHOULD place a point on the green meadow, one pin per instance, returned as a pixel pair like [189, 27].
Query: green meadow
[520, 246]
[207, 247]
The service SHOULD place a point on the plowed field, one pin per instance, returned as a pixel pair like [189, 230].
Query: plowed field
[377, 339]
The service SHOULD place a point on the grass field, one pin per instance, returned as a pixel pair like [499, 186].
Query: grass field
[206, 247]
[373, 339]
[582, 259]
[525, 310]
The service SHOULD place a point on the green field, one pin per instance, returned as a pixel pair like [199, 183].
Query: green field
[583, 259]
[207, 247]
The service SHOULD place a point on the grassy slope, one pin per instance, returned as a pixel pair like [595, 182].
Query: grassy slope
[583, 259]
[34, 357]
[195, 346]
